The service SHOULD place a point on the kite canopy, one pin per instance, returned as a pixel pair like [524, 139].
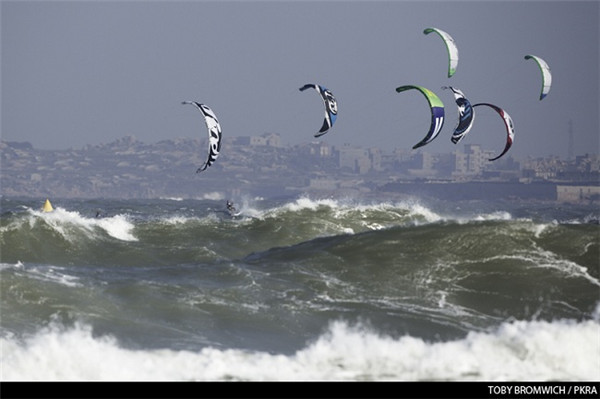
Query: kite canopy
[330, 104]
[450, 46]
[437, 113]
[508, 123]
[546, 74]
[214, 133]
[466, 116]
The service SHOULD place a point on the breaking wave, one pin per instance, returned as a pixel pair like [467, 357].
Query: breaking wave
[517, 351]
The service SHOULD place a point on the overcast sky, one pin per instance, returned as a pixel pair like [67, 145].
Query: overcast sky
[89, 72]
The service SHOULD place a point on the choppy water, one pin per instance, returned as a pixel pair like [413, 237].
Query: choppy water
[299, 289]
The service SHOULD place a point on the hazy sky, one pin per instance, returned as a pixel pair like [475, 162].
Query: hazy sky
[89, 72]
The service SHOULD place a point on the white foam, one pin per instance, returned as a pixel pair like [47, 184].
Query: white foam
[518, 351]
[52, 274]
[343, 208]
[7, 266]
[547, 259]
[70, 224]
[307, 203]
[415, 210]
[118, 227]
[498, 215]
[420, 210]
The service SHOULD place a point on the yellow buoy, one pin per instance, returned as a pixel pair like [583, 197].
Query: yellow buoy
[47, 206]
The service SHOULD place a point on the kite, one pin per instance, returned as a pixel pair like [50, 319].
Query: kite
[466, 116]
[546, 75]
[450, 46]
[330, 103]
[510, 129]
[214, 133]
[437, 113]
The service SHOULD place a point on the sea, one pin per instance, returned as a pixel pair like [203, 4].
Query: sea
[299, 288]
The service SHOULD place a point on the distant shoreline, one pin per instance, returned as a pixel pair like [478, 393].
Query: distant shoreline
[552, 192]
[129, 169]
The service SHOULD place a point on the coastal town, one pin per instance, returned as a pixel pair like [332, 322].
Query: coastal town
[263, 166]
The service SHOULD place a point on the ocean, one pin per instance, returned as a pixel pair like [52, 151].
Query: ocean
[299, 289]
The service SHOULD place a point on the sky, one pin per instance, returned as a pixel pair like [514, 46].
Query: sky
[75, 73]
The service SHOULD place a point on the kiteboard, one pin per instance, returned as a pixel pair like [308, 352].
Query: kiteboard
[234, 213]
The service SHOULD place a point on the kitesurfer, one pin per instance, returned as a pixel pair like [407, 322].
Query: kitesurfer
[230, 207]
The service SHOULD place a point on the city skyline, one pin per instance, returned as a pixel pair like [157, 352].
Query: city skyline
[460, 147]
[347, 156]
[129, 168]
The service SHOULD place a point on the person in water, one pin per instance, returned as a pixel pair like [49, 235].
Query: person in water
[230, 207]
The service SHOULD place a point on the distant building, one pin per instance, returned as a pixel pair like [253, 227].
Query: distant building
[376, 159]
[354, 158]
[422, 165]
[578, 194]
[460, 164]
[475, 159]
[320, 149]
[265, 139]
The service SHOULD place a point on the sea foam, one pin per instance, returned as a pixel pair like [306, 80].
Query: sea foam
[71, 225]
[516, 351]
